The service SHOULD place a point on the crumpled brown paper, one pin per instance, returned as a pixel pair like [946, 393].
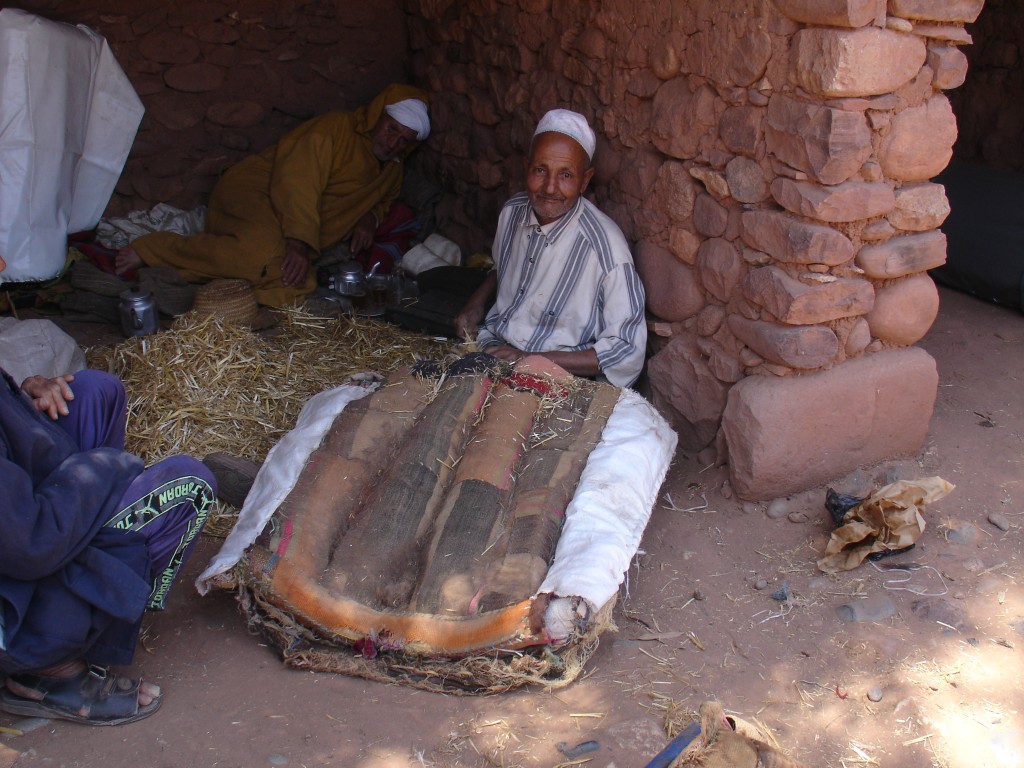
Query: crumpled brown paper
[888, 519]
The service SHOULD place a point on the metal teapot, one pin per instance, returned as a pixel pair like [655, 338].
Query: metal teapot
[348, 279]
[138, 314]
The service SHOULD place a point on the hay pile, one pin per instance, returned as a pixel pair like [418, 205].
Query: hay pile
[205, 386]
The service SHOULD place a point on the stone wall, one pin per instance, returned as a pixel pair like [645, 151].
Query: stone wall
[220, 81]
[770, 161]
[990, 106]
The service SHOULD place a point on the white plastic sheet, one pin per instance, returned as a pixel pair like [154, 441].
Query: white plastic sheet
[68, 117]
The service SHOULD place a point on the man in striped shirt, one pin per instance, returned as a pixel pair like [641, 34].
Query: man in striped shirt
[564, 285]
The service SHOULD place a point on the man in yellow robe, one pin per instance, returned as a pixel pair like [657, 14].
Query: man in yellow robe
[331, 178]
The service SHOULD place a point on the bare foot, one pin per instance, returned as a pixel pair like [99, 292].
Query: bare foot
[127, 260]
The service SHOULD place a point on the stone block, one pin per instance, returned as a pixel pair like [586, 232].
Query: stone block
[828, 144]
[175, 111]
[746, 179]
[833, 13]
[673, 292]
[860, 62]
[710, 319]
[858, 338]
[741, 129]
[919, 207]
[937, 10]
[793, 241]
[904, 310]
[675, 190]
[710, 218]
[665, 61]
[749, 57]
[714, 182]
[720, 267]
[194, 78]
[949, 64]
[948, 33]
[680, 118]
[723, 365]
[686, 392]
[784, 435]
[849, 201]
[880, 229]
[797, 303]
[798, 346]
[683, 244]
[169, 47]
[920, 141]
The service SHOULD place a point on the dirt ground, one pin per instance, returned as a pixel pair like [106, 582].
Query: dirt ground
[696, 620]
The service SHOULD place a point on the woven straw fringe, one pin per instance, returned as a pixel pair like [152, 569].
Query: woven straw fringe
[472, 675]
[234, 301]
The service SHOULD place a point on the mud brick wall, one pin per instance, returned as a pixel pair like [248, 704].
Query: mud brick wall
[990, 107]
[770, 161]
[220, 81]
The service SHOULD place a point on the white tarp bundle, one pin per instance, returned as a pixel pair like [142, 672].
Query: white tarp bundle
[68, 117]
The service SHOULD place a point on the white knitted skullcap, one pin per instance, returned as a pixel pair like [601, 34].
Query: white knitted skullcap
[412, 113]
[572, 124]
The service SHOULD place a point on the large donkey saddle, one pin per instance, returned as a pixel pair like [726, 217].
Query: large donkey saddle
[448, 512]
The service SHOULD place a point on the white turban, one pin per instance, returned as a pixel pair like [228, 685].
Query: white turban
[412, 113]
[572, 124]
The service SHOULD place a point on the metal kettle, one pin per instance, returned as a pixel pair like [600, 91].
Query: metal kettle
[138, 313]
[348, 279]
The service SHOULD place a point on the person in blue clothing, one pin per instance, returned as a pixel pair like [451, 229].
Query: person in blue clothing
[91, 539]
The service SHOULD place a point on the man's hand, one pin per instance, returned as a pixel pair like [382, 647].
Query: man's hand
[472, 314]
[295, 263]
[49, 396]
[362, 234]
[506, 352]
[468, 321]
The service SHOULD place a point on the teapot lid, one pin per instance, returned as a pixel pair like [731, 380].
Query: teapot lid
[350, 267]
[136, 294]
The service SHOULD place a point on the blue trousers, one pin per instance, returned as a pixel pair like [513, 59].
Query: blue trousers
[167, 503]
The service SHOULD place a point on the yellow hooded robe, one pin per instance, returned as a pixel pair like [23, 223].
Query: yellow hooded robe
[313, 186]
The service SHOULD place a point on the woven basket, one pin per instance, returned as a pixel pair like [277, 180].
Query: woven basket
[233, 301]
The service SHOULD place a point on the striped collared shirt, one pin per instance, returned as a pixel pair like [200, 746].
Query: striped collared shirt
[566, 286]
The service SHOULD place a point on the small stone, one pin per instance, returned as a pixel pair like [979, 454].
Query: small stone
[760, 584]
[875, 693]
[962, 533]
[727, 492]
[782, 594]
[999, 521]
[778, 508]
[749, 507]
[698, 595]
[276, 759]
[874, 608]
[797, 517]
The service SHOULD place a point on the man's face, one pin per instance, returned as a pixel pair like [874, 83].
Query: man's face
[3, 264]
[390, 139]
[557, 173]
